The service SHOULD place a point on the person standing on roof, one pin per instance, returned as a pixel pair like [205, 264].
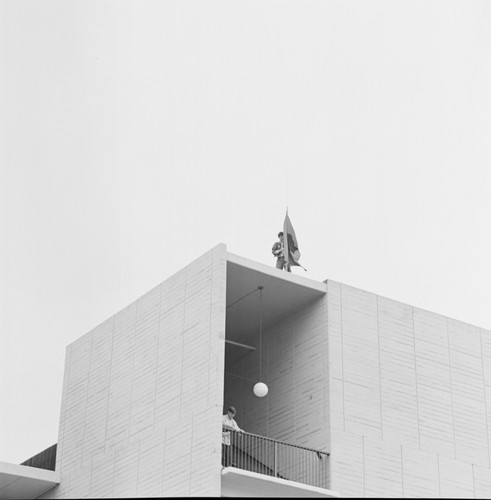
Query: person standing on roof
[278, 251]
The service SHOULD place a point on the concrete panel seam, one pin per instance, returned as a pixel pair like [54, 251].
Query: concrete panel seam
[87, 396]
[110, 372]
[342, 360]
[364, 466]
[473, 480]
[484, 396]
[416, 379]
[133, 363]
[61, 429]
[451, 391]
[439, 478]
[402, 475]
[157, 350]
[182, 337]
[379, 370]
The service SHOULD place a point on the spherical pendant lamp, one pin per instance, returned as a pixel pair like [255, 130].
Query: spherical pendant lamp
[260, 389]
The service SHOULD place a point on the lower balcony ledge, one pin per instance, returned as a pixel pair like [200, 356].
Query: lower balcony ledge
[242, 483]
[22, 481]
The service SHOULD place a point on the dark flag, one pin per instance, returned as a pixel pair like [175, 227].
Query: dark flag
[292, 253]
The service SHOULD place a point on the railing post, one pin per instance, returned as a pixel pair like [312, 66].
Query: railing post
[275, 468]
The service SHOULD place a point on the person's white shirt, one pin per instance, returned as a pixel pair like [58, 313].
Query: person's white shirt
[228, 422]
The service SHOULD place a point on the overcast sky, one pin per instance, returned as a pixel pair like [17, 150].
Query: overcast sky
[135, 136]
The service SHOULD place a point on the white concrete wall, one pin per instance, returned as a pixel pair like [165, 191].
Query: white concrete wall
[410, 393]
[143, 391]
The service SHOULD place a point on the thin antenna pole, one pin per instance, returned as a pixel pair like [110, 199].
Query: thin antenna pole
[286, 187]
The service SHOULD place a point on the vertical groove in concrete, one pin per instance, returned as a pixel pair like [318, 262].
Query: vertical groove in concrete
[484, 395]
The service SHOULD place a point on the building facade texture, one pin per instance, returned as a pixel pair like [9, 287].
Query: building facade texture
[400, 397]
[142, 393]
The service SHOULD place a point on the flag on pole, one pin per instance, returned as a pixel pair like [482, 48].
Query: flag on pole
[292, 253]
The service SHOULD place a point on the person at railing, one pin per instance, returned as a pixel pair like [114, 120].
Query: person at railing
[228, 424]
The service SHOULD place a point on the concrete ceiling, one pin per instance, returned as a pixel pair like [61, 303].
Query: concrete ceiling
[249, 309]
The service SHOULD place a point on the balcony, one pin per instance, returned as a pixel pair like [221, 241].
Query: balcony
[288, 464]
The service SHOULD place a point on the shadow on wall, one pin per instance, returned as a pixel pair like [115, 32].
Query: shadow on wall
[44, 460]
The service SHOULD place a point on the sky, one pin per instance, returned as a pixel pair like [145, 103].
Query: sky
[137, 135]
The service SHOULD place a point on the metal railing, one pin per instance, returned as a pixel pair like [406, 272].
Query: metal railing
[275, 458]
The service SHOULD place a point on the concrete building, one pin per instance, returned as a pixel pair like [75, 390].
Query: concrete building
[367, 396]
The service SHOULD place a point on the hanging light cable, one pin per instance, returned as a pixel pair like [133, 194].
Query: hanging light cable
[246, 295]
[260, 389]
[260, 288]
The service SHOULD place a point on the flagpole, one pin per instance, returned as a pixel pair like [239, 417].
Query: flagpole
[285, 242]
[286, 187]
[285, 229]
[288, 232]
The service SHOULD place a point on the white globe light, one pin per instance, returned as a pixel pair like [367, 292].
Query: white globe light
[260, 390]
